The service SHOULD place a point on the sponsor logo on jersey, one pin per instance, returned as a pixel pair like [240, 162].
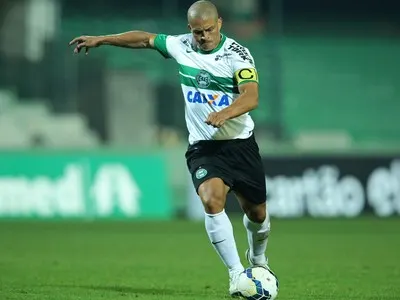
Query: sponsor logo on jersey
[203, 79]
[186, 42]
[203, 98]
[219, 56]
[241, 51]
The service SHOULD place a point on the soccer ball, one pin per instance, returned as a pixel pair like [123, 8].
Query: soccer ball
[258, 283]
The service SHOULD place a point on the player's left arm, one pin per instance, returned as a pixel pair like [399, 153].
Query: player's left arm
[247, 80]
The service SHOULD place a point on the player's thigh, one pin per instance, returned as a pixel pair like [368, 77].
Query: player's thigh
[213, 193]
[249, 185]
[204, 164]
[210, 179]
[255, 211]
[250, 190]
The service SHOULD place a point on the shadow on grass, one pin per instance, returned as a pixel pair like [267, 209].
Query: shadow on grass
[137, 290]
[142, 290]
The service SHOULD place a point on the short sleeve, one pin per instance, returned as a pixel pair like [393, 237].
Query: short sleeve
[241, 57]
[160, 43]
[167, 45]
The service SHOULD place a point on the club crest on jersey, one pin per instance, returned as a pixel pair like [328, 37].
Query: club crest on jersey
[203, 79]
[200, 173]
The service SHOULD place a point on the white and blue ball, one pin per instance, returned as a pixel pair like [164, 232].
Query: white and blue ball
[258, 283]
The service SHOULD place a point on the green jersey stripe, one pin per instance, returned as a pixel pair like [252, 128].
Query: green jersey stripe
[190, 71]
[192, 82]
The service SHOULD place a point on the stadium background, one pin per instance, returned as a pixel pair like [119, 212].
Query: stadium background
[102, 137]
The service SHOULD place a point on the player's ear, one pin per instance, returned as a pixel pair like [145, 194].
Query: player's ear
[219, 23]
[190, 28]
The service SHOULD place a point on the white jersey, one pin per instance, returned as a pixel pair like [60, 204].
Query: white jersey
[210, 83]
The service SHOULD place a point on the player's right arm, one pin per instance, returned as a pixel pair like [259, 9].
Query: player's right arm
[130, 39]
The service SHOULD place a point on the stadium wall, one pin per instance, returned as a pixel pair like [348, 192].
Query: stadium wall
[328, 186]
[83, 185]
[121, 185]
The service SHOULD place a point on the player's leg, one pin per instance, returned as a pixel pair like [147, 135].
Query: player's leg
[257, 223]
[250, 189]
[219, 228]
[212, 181]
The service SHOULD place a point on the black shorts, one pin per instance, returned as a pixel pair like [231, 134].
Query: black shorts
[237, 162]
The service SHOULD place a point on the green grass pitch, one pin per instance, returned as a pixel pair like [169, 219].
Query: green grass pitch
[314, 259]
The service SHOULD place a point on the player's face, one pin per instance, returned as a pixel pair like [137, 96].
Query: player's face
[206, 32]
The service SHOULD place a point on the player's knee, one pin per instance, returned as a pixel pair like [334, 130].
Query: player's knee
[257, 215]
[213, 202]
[213, 199]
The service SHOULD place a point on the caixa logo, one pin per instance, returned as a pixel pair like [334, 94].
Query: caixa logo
[214, 99]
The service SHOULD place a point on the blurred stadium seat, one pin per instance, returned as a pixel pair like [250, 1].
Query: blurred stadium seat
[331, 84]
[31, 123]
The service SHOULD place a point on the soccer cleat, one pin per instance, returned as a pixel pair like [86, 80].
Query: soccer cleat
[233, 284]
[253, 264]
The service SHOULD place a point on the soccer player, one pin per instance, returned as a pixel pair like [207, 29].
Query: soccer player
[220, 86]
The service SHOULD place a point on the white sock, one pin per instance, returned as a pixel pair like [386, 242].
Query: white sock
[257, 236]
[220, 232]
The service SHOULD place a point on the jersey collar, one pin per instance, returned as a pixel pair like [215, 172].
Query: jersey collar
[221, 42]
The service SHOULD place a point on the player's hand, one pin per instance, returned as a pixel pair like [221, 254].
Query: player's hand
[86, 42]
[216, 119]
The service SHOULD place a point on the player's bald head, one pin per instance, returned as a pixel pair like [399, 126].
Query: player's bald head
[204, 10]
[205, 24]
